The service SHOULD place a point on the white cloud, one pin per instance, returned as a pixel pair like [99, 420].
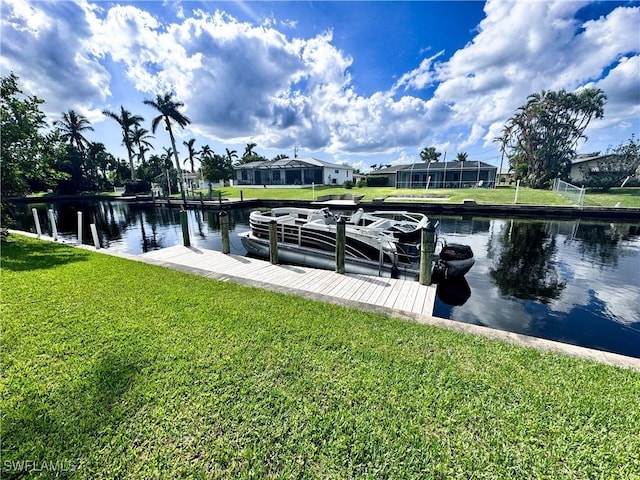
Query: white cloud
[242, 81]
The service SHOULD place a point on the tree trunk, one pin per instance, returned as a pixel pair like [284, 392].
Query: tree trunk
[175, 155]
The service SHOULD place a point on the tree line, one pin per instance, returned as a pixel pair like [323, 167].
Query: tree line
[64, 160]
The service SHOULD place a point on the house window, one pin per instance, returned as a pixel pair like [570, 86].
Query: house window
[333, 180]
[336, 171]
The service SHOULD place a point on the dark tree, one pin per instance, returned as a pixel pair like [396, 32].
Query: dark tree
[541, 138]
[430, 154]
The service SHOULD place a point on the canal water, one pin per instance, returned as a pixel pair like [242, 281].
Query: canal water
[574, 281]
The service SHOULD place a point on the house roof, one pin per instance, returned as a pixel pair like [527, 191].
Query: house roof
[589, 157]
[291, 163]
[435, 166]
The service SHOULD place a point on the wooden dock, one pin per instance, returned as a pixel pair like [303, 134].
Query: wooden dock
[397, 297]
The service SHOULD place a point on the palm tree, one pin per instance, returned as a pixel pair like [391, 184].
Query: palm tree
[206, 151]
[231, 154]
[169, 110]
[127, 122]
[248, 151]
[462, 157]
[139, 138]
[71, 126]
[429, 155]
[192, 153]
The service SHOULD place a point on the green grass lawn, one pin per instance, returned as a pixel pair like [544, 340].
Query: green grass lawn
[127, 370]
[627, 197]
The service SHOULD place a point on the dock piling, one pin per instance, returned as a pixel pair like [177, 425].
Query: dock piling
[184, 221]
[36, 220]
[273, 242]
[340, 244]
[224, 230]
[94, 233]
[79, 228]
[427, 247]
[54, 229]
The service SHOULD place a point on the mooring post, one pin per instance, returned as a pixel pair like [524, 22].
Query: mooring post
[219, 197]
[201, 199]
[241, 198]
[79, 228]
[94, 234]
[340, 244]
[273, 242]
[54, 229]
[427, 247]
[224, 230]
[515, 200]
[36, 220]
[184, 221]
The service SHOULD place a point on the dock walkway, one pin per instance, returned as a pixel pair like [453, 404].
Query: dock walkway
[403, 298]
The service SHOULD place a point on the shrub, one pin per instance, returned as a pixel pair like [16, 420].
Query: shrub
[377, 181]
[134, 187]
[348, 184]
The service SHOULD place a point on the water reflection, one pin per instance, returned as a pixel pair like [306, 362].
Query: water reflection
[523, 265]
[572, 281]
[133, 228]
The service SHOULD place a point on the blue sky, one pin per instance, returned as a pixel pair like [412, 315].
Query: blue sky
[357, 82]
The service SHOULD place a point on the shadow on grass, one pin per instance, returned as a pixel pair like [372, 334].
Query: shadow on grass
[21, 254]
[64, 425]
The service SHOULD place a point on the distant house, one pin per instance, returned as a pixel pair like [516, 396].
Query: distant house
[584, 165]
[292, 171]
[440, 175]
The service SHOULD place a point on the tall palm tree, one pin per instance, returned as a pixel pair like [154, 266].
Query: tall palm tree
[139, 138]
[169, 111]
[71, 126]
[192, 153]
[231, 154]
[126, 121]
[462, 156]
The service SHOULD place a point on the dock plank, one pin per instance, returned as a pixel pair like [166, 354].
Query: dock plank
[388, 293]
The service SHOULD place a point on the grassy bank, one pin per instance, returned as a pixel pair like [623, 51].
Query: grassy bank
[626, 197]
[126, 370]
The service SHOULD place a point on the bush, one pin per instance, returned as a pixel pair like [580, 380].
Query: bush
[362, 182]
[139, 186]
[348, 184]
[377, 181]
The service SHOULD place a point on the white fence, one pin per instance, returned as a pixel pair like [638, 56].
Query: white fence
[570, 192]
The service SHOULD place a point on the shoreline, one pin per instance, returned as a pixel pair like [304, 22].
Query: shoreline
[467, 208]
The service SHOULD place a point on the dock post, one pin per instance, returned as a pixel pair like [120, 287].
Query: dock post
[36, 219]
[79, 228]
[340, 244]
[224, 230]
[219, 197]
[273, 242]
[427, 247]
[241, 198]
[201, 200]
[94, 233]
[54, 229]
[184, 221]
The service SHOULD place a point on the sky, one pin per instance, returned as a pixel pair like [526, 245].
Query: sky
[354, 82]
